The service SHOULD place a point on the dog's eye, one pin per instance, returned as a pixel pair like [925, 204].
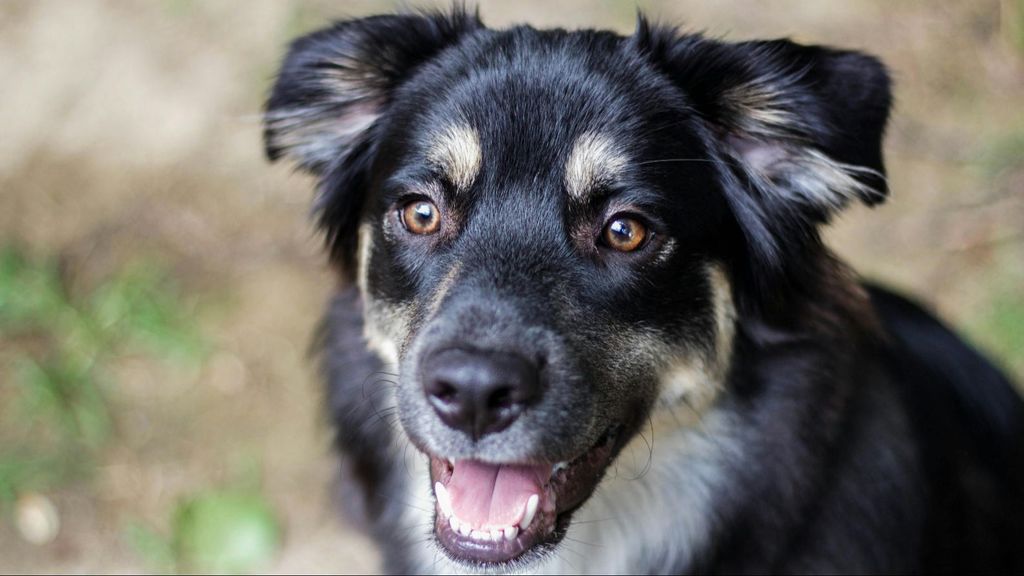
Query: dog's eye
[420, 217]
[624, 234]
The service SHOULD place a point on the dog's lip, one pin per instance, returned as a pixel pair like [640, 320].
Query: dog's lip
[569, 486]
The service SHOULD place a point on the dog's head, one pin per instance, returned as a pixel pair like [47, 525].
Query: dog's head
[554, 232]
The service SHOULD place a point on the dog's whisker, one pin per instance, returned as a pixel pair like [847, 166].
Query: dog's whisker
[370, 396]
[569, 548]
[381, 414]
[650, 451]
[595, 520]
[583, 542]
[404, 503]
[675, 160]
[385, 373]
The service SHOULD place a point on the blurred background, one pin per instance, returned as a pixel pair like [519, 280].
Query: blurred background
[159, 282]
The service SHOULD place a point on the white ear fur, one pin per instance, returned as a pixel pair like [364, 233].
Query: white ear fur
[796, 171]
[313, 135]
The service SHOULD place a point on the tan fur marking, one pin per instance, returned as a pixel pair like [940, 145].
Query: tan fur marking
[594, 160]
[457, 152]
[384, 325]
[363, 264]
[443, 287]
[761, 107]
[695, 378]
[757, 105]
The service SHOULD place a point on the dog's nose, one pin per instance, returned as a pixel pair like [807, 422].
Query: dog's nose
[479, 392]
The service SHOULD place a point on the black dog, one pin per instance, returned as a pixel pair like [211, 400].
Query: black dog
[583, 276]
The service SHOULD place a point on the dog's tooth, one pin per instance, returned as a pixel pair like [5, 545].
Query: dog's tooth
[511, 532]
[443, 499]
[531, 511]
[465, 529]
[480, 535]
[497, 534]
[454, 523]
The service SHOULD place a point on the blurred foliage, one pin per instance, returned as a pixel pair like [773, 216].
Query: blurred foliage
[1004, 155]
[55, 346]
[179, 8]
[232, 531]
[152, 546]
[225, 532]
[1000, 328]
[1012, 19]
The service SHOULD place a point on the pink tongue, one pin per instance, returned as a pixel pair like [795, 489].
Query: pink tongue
[493, 495]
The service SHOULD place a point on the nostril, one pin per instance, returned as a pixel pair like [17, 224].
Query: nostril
[444, 391]
[500, 399]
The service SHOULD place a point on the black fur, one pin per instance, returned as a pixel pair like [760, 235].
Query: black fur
[861, 436]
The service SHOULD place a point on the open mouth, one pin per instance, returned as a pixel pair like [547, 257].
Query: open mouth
[494, 513]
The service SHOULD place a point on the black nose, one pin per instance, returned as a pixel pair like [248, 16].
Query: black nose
[479, 392]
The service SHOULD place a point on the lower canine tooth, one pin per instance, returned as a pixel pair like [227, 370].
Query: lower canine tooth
[531, 511]
[453, 523]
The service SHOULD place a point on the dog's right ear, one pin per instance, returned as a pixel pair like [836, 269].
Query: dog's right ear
[796, 131]
[333, 86]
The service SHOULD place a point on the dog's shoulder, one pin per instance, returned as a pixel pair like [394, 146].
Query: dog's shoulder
[968, 422]
[946, 376]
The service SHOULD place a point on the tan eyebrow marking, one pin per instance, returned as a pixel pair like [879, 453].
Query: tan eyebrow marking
[456, 151]
[594, 160]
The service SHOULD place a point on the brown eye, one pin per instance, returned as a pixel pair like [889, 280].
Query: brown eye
[421, 217]
[624, 234]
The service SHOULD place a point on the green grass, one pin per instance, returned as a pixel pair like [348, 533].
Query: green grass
[55, 347]
[1012, 23]
[1000, 329]
[1005, 154]
[56, 415]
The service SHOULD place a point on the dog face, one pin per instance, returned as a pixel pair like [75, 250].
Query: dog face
[555, 233]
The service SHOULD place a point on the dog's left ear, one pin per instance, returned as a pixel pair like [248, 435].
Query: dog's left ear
[333, 87]
[800, 127]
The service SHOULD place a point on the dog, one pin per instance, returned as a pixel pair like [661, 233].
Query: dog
[586, 321]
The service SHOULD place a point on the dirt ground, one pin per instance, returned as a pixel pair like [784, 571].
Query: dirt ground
[131, 130]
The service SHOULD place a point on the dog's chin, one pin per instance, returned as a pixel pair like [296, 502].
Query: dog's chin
[499, 515]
